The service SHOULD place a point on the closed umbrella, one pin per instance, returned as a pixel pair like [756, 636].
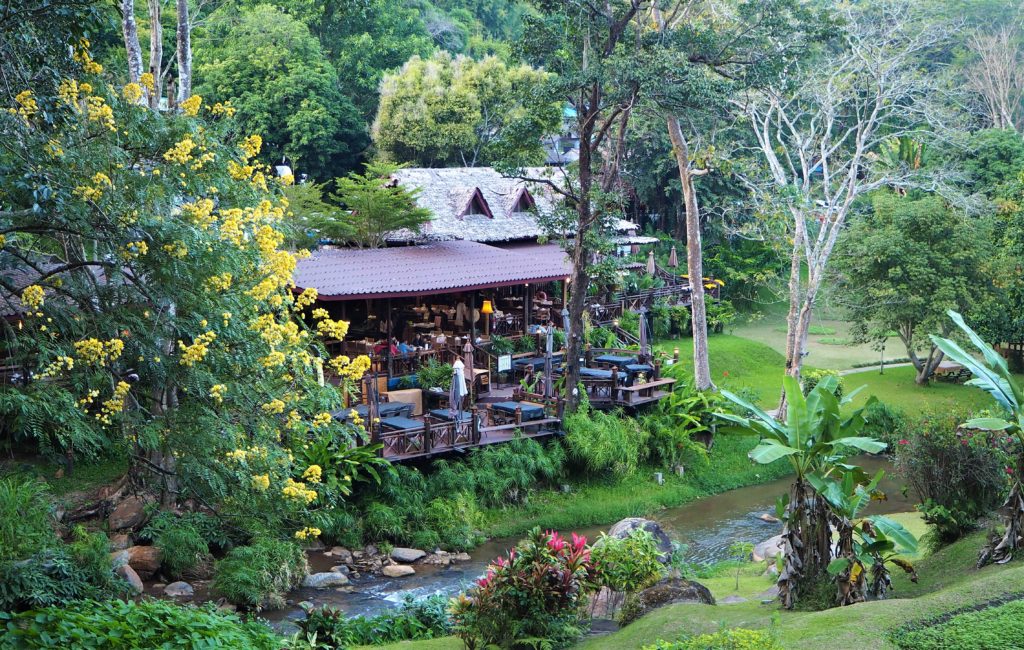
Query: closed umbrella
[548, 351]
[458, 389]
[467, 358]
[565, 321]
[371, 401]
[673, 259]
[650, 263]
[644, 334]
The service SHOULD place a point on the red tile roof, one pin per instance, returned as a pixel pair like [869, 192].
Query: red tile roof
[442, 267]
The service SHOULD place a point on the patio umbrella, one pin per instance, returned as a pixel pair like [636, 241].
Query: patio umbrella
[644, 334]
[458, 389]
[467, 359]
[371, 401]
[548, 351]
[673, 259]
[565, 322]
[650, 263]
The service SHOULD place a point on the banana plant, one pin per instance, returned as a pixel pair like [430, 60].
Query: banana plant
[992, 375]
[864, 543]
[815, 438]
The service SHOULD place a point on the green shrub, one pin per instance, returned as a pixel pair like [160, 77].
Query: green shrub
[526, 344]
[733, 639]
[499, 475]
[604, 441]
[810, 379]
[59, 575]
[456, 521]
[501, 345]
[259, 575]
[627, 564]
[26, 522]
[413, 619]
[180, 541]
[340, 526]
[382, 522]
[434, 374]
[118, 624]
[602, 337]
[884, 422]
[720, 314]
[1001, 626]
[959, 475]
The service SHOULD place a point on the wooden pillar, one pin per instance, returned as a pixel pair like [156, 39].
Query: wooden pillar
[427, 442]
[519, 415]
[472, 323]
[527, 308]
[474, 425]
[387, 343]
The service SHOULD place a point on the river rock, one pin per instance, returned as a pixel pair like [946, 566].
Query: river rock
[341, 568]
[120, 542]
[437, 559]
[622, 530]
[397, 570]
[768, 549]
[145, 560]
[371, 550]
[771, 519]
[179, 590]
[119, 558]
[407, 555]
[670, 591]
[461, 557]
[132, 578]
[325, 580]
[343, 554]
[129, 513]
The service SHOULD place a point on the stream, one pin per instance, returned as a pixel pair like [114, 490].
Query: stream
[709, 526]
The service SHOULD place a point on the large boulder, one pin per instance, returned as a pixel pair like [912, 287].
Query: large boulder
[407, 555]
[130, 513]
[397, 570]
[625, 527]
[670, 591]
[132, 578]
[768, 549]
[325, 580]
[145, 560]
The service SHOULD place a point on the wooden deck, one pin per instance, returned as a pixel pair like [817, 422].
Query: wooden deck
[479, 428]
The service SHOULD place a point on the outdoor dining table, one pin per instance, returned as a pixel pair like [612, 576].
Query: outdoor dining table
[537, 363]
[615, 360]
[635, 369]
[446, 414]
[384, 410]
[598, 373]
[399, 423]
[529, 411]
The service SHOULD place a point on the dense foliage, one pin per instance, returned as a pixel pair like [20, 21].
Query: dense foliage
[259, 575]
[413, 619]
[119, 624]
[997, 626]
[731, 639]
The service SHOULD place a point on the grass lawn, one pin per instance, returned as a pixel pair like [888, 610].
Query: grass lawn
[596, 502]
[897, 388]
[948, 582]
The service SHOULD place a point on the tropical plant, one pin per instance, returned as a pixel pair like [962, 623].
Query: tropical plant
[181, 545]
[501, 345]
[434, 374]
[328, 628]
[126, 624]
[627, 564]
[863, 543]
[26, 522]
[736, 638]
[811, 377]
[992, 375]
[815, 438]
[531, 598]
[259, 575]
[603, 442]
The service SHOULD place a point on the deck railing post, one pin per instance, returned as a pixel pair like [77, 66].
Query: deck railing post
[427, 442]
[657, 370]
[519, 415]
[474, 426]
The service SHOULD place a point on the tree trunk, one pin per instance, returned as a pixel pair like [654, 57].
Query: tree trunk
[184, 52]
[807, 543]
[1001, 550]
[156, 53]
[792, 323]
[694, 258]
[580, 273]
[130, 29]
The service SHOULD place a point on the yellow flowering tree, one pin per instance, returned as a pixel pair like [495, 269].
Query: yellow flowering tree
[149, 301]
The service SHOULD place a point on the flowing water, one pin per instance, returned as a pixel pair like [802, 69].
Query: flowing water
[708, 526]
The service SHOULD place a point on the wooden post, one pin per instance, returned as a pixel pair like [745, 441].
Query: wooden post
[519, 415]
[527, 309]
[427, 442]
[474, 425]
[657, 370]
[615, 383]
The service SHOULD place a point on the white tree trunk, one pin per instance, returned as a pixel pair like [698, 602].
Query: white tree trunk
[130, 29]
[156, 53]
[694, 258]
[184, 52]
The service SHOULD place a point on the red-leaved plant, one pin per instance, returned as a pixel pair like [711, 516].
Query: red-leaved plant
[533, 597]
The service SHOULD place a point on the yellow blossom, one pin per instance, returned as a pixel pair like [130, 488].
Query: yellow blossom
[261, 482]
[181, 152]
[273, 406]
[307, 532]
[136, 249]
[313, 474]
[251, 146]
[298, 491]
[191, 354]
[191, 105]
[33, 296]
[220, 282]
[217, 392]
[132, 93]
[223, 108]
[322, 419]
[147, 81]
[100, 111]
[27, 105]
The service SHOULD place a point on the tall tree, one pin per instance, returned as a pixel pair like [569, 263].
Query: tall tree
[713, 51]
[996, 75]
[374, 206]
[817, 132]
[274, 73]
[184, 49]
[907, 262]
[590, 49]
[454, 110]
